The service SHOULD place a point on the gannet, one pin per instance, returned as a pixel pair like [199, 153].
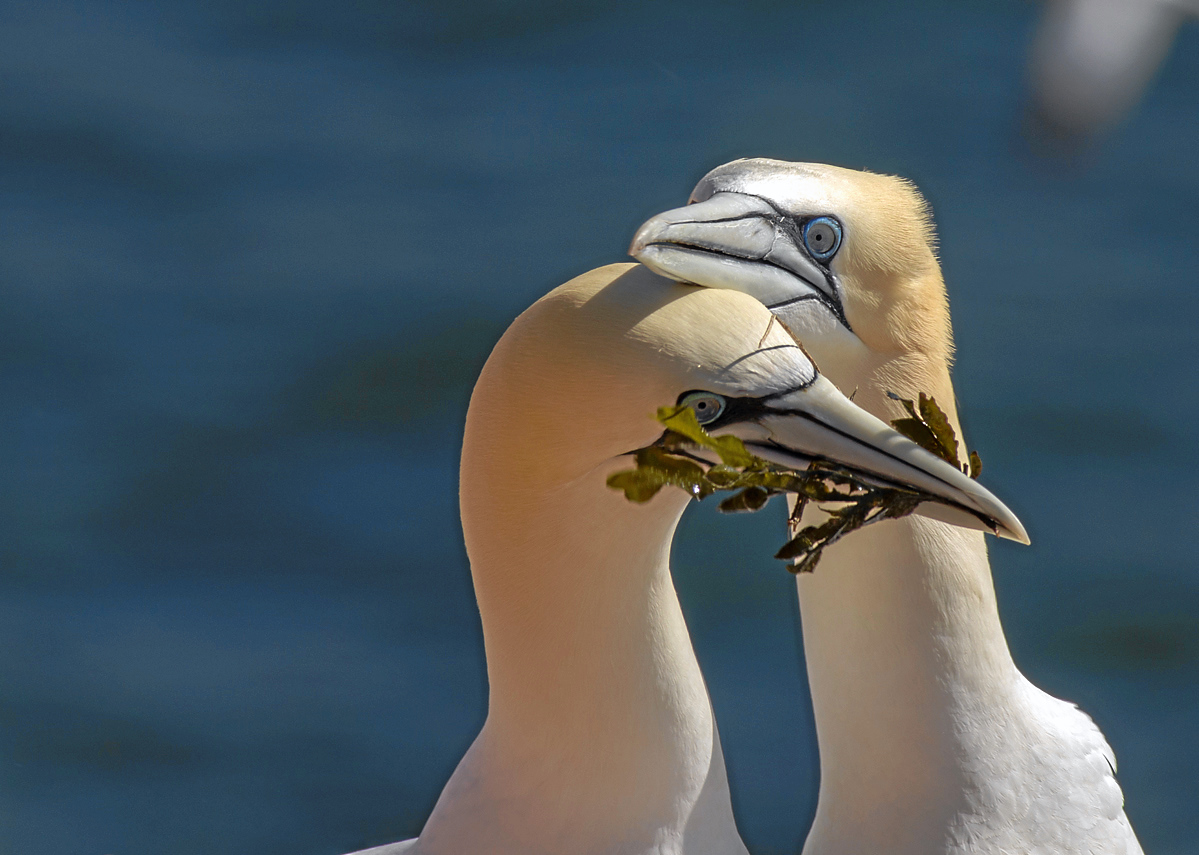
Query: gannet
[599, 736]
[930, 738]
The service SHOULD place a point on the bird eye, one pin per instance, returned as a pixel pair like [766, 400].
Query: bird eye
[822, 237]
[707, 406]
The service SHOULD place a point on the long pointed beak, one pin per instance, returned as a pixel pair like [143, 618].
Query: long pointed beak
[734, 241]
[818, 422]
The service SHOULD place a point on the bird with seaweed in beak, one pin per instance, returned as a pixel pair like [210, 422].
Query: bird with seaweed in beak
[599, 735]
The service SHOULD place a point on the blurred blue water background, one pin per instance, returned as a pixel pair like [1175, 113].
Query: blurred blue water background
[252, 255]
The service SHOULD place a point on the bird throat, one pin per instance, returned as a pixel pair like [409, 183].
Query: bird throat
[600, 735]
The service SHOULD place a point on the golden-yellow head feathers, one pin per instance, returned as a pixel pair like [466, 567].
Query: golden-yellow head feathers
[892, 292]
[577, 378]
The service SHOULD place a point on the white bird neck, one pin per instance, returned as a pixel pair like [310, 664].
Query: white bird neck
[600, 735]
[906, 660]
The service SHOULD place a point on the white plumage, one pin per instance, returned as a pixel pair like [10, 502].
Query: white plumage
[931, 740]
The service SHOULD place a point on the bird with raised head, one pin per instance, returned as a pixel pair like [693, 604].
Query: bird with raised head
[930, 738]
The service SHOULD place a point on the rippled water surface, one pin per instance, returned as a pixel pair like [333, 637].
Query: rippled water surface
[252, 256]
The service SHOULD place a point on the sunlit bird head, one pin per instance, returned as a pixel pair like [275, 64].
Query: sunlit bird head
[572, 387]
[844, 258]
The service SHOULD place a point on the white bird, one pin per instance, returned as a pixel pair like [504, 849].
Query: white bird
[930, 738]
[599, 735]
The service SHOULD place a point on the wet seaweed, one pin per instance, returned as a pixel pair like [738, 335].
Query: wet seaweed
[929, 427]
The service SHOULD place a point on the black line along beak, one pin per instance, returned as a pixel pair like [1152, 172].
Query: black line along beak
[740, 242]
[818, 422]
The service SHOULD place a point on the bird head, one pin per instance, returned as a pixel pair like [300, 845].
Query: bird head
[571, 388]
[845, 259]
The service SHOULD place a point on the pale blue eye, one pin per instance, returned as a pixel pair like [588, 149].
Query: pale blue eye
[822, 237]
[707, 406]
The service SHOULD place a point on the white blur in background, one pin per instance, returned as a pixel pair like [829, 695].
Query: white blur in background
[1092, 60]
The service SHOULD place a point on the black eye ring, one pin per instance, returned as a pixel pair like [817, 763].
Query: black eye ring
[707, 406]
[822, 237]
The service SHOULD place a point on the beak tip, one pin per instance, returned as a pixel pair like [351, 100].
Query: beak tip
[643, 238]
[1012, 529]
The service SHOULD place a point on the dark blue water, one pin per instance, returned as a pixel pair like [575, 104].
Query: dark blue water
[253, 254]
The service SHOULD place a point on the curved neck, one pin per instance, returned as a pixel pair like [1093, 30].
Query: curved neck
[599, 736]
[906, 659]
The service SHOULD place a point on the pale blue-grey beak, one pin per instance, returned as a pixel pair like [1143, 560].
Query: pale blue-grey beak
[740, 242]
[818, 422]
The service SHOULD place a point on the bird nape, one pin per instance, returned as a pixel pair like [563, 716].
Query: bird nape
[931, 740]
